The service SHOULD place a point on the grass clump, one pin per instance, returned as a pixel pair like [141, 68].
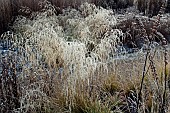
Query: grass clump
[66, 63]
[50, 60]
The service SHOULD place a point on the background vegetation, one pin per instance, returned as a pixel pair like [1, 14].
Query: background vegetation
[10, 8]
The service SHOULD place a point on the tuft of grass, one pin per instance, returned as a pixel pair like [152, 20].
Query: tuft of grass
[66, 63]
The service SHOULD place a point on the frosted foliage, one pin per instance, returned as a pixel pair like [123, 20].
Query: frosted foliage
[63, 40]
[90, 24]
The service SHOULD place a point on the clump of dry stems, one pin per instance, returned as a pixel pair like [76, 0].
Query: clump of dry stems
[65, 63]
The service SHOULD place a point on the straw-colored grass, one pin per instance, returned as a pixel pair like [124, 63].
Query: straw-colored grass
[67, 64]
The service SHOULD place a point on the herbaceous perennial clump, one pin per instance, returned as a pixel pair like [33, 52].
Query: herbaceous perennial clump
[72, 47]
[72, 62]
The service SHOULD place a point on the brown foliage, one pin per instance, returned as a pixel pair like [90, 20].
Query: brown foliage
[133, 31]
[150, 7]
